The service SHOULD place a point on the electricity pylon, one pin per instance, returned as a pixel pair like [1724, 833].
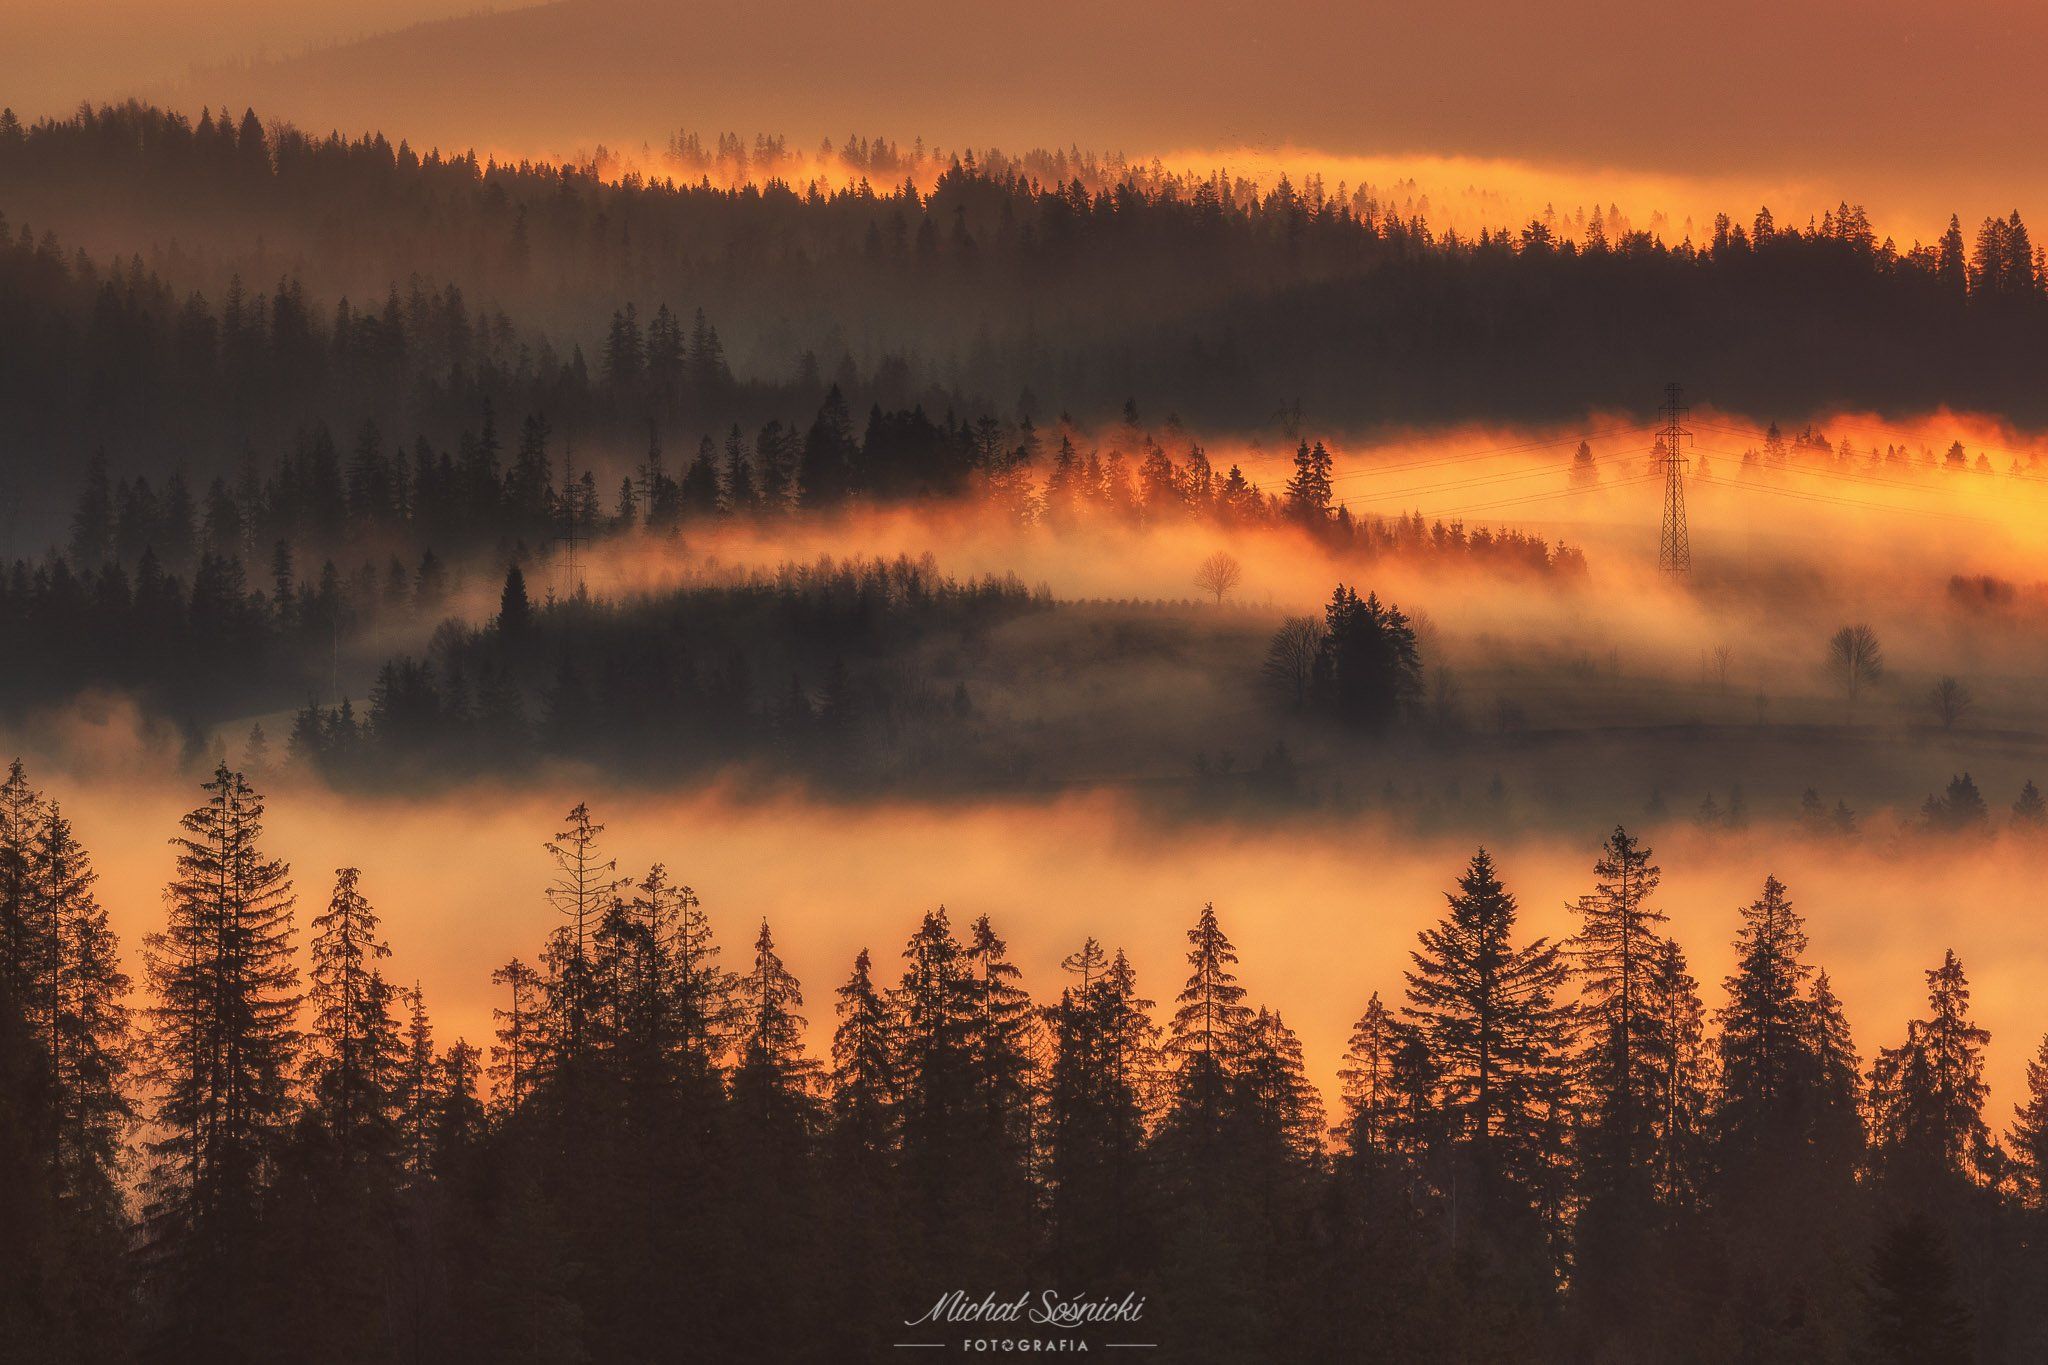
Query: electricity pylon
[1674, 545]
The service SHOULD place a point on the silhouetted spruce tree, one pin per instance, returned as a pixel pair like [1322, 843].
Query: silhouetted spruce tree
[515, 611]
[664, 1004]
[774, 1193]
[1378, 1273]
[1206, 1036]
[860, 1148]
[461, 1122]
[826, 469]
[863, 1072]
[774, 1085]
[1787, 1142]
[582, 891]
[1838, 1122]
[1767, 1059]
[334, 1200]
[2029, 1136]
[700, 491]
[26, 946]
[87, 1028]
[937, 1083]
[1097, 1085]
[703, 990]
[1370, 1102]
[1366, 670]
[1613, 954]
[2029, 809]
[1622, 1052]
[63, 1111]
[1308, 488]
[418, 1079]
[516, 1056]
[218, 1050]
[1214, 1237]
[1685, 1079]
[1488, 1010]
[351, 1061]
[1002, 1036]
[1927, 1095]
[1284, 1110]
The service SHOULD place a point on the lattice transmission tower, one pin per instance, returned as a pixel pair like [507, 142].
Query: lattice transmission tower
[1674, 544]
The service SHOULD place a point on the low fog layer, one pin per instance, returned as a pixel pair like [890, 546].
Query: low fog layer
[1323, 914]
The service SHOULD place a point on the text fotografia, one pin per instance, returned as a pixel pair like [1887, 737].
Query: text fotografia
[1064, 1314]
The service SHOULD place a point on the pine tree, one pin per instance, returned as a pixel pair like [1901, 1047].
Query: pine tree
[63, 1113]
[2030, 1132]
[460, 1120]
[863, 1068]
[1095, 1107]
[1207, 1033]
[516, 1057]
[418, 1086]
[1614, 952]
[1685, 1079]
[1585, 469]
[826, 471]
[1308, 488]
[87, 1028]
[515, 612]
[26, 948]
[1002, 1031]
[703, 990]
[1838, 1076]
[218, 1053]
[350, 1066]
[1488, 1011]
[1370, 1101]
[1927, 1095]
[1282, 1107]
[773, 1083]
[1623, 1056]
[937, 1075]
[583, 891]
[334, 1200]
[1766, 1052]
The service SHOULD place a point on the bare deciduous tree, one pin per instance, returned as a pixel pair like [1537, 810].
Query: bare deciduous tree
[1855, 659]
[1291, 657]
[1950, 701]
[1218, 574]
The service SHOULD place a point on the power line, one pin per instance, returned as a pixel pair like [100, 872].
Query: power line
[1476, 480]
[1468, 456]
[1549, 496]
[1889, 432]
[1838, 501]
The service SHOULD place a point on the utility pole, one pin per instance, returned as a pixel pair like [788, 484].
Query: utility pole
[1674, 545]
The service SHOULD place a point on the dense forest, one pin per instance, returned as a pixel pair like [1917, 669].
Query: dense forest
[210, 605]
[748, 479]
[1540, 1150]
[291, 278]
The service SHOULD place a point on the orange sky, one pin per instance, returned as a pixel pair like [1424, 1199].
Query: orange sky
[1322, 917]
[1914, 109]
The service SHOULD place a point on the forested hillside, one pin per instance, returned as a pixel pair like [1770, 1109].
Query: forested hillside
[1541, 1150]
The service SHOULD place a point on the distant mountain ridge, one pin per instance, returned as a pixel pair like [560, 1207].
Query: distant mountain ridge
[1836, 87]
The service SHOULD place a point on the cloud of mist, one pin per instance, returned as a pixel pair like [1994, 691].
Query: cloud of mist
[1323, 913]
